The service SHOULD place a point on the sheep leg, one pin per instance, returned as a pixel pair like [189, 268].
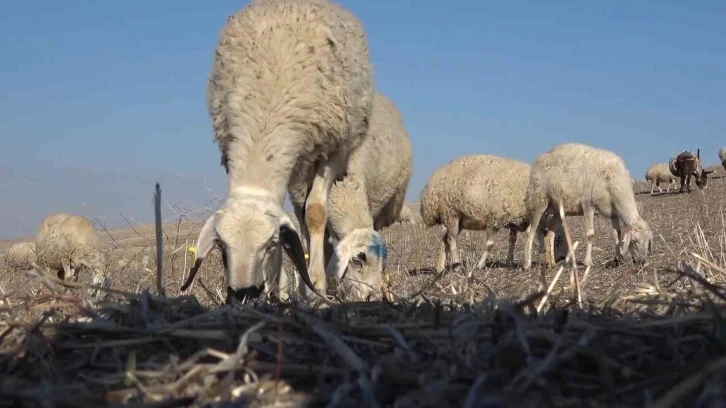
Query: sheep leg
[589, 219]
[540, 234]
[443, 251]
[535, 218]
[652, 185]
[316, 216]
[452, 232]
[512, 242]
[574, 278]
[617, 235]
[552, 226]
[488, 244]
[300, 215]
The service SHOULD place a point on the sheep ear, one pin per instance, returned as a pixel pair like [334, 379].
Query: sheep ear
[627, 233]
[339, 261]
[293, 247]
[205, 243]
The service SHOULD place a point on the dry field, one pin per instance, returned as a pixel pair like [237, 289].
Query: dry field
[644, 336]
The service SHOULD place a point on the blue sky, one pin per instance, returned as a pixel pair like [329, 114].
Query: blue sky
[99, 100]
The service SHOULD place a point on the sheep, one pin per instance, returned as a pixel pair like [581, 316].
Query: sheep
[657, 173]
[406, 216]
[369, 198]
[722, 156]
[66, 243]
[476, 192]
[576, 179]
[20, 256]
[686, 165]
[289, 97]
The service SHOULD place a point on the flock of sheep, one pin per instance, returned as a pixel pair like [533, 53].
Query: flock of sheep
[294, 111]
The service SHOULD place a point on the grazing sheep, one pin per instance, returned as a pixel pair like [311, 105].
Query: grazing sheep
[67, 243]
[658, 173]
[722, 156]
[368, 199]
[406, 216]
[289, 97]
[686, 165]
[477, 192]
[20, 256]
[576, 179]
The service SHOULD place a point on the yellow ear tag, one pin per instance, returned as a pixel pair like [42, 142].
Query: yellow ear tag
[307, 256]
[193, 252]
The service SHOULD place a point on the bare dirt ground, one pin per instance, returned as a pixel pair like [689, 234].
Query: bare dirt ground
[681, 223]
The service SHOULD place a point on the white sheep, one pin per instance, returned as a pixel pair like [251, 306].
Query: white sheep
[369, 198]
[477, 192]
[289, 97]
[657, 173]
[406, 216]
[20, 256]
[576, 179]
[722, 156]
[66, 243]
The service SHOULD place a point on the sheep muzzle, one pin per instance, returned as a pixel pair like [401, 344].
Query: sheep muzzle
[244, 294]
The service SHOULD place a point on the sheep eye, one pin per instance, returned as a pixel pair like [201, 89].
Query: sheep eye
[359, 259]
[272, 245]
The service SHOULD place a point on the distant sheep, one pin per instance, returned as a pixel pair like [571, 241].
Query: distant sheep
[289, 98]
[20, 256]
[576, 179]
[686, 165]
[369, 198]
[406, 216]
[658, 173]
[67, 243]
[722, 156]
[477, 192]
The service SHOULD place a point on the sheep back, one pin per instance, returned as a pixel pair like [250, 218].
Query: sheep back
[659, 172]
[481, 190]
[291, 82]
[574, 174]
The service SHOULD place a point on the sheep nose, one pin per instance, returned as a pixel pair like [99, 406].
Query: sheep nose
[244, 294]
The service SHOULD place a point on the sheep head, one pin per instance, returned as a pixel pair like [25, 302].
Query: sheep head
[250, 232]
[702, 179]
[358, 263]
[637, 237]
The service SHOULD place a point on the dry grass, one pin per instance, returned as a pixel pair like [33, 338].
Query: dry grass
[651, 336]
